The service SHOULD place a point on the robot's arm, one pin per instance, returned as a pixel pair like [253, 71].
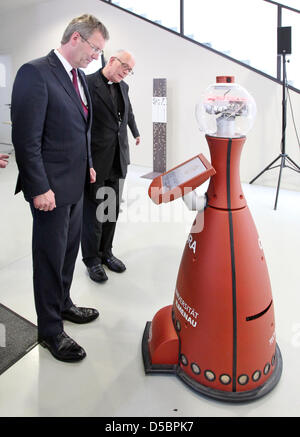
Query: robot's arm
[195, 202]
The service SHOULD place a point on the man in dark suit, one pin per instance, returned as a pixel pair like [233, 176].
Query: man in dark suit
[51, 122]
[112, 113]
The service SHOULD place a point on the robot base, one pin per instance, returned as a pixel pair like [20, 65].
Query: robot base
[234, 397]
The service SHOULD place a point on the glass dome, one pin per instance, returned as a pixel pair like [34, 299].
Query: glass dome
[226, 109]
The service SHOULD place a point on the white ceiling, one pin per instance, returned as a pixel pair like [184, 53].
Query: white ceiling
[8, 5]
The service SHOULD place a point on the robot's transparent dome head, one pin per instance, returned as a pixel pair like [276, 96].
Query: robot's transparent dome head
[226, 109]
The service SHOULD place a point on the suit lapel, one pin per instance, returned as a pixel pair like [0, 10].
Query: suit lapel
[59, 71]
[124, 96]
[104, 94]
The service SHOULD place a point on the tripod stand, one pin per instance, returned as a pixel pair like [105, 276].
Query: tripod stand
[283, 156]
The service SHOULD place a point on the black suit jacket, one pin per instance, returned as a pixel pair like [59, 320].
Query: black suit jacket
[50, 133]
[107, 132]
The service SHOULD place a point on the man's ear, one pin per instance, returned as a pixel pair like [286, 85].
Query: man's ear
[111, 60]
[75, 37]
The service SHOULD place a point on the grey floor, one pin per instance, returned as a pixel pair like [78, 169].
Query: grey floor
[150, 239]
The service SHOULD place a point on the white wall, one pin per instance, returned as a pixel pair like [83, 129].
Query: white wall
[31, 32]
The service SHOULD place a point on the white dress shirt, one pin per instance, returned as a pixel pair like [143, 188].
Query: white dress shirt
[68, 67]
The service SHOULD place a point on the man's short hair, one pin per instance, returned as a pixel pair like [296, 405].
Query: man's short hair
[85, 25]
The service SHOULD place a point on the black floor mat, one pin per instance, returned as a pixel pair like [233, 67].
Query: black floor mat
[17, 337]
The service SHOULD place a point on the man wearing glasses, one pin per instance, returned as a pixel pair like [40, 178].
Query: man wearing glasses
[112, 113]
[51, 123]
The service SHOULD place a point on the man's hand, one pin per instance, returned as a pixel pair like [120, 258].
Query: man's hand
[3, 160]
[92, 176]
[45, 202]
[137, 141]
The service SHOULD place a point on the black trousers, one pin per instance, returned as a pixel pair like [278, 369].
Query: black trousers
[101, 208]
[55, 245]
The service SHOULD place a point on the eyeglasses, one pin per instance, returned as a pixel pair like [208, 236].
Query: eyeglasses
[125, 67]
[94, 48]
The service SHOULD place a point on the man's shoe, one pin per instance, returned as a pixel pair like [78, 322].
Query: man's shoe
[97, 273]
[63, 348]
[113, 263]
[79, 314]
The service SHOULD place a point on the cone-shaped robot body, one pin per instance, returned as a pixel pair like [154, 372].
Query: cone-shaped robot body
[219, 334]
[223, 306]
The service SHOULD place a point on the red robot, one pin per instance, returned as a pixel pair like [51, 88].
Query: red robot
[219, 334]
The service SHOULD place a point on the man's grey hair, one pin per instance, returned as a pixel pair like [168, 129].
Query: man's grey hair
[85, 25]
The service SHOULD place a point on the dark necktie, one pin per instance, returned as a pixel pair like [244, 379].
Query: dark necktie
[75, 83]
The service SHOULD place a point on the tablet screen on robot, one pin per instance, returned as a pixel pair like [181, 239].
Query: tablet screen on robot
[175, 182]
[182, 174]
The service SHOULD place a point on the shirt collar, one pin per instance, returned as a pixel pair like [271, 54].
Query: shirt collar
[106, 81]
[68, 67]
[103, 77]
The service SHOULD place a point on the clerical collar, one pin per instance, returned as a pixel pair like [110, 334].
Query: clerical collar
[108, 82]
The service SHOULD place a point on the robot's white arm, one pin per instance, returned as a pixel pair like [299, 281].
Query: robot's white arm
[195, 202]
